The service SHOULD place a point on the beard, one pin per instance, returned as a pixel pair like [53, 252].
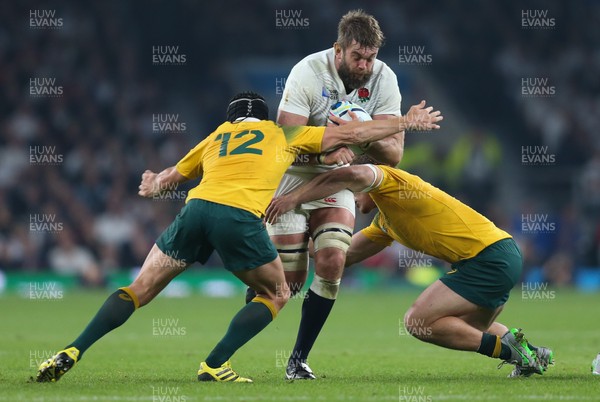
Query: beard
[351, 79]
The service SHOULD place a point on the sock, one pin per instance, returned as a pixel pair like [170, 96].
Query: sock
[250, 294]
[248, 322]
[315, 310]
[505, 353]
[492, 346]
[117, 308]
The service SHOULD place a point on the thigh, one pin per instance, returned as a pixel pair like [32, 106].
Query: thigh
[293, 251]
[487, 278]
[335, 224]
[341, 200]
[294, 222]
[322, 216]
[290, 237]
[438, 301]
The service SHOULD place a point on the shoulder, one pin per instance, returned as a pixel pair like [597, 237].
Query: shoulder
[384, 77]
[383, 69]
[296, 132]
[385, 170]
[268, 124]
[385, 83]
[225, 126]
[313, 62]
[316, 58]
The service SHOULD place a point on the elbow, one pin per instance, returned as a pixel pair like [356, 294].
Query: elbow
[395, 153]
[394, 156]
[397, 158]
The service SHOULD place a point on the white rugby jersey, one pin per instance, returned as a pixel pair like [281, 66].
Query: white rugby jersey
[314, 85]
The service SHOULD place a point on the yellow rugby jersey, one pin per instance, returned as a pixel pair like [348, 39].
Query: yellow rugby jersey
[424, 218]
[242, 163]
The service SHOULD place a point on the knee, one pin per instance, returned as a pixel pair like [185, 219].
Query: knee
[145, 288]
[417, 325]
[273, 302]
[282, 299]
[278, 301]
[145, 300]
[279, 297]
[331, 242]
[294, 258]
[330, 264]
[141, 292]
[295, 281]
[329, 268]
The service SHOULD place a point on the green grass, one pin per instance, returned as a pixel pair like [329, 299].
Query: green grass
[360, 356]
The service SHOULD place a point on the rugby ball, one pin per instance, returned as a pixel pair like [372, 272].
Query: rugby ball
[341, 109]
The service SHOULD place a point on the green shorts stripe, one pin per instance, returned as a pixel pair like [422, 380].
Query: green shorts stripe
[239, 237]
[487, 278]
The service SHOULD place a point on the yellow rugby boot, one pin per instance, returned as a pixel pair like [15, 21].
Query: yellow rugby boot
[224, 373]
[55, 367]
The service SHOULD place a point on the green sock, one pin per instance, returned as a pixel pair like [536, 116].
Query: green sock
[492, 346]
[505, 353]
[248, 322]
[117, 308]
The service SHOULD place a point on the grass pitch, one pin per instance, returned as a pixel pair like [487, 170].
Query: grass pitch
[362, 354]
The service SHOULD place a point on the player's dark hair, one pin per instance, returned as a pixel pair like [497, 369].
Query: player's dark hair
[361, 27]
[364, 160]
[247, 104]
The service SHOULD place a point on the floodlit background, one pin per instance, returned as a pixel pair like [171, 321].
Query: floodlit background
[93, 93]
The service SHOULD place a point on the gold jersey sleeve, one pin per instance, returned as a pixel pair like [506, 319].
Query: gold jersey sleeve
[376, 234]
[191, 164]
[242, 163]
[424, 218]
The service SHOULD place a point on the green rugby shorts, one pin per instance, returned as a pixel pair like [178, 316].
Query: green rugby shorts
[239, 237]
[487, 278]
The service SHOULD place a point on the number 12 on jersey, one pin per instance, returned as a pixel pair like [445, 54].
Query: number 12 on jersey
[243, 148]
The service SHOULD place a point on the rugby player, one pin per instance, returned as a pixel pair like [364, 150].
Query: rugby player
[459, 310]
[240, 165]
[350, 71]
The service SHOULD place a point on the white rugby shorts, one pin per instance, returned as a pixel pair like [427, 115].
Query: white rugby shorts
[296, 220]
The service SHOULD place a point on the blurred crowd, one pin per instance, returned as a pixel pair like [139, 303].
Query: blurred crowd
[70, 163]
